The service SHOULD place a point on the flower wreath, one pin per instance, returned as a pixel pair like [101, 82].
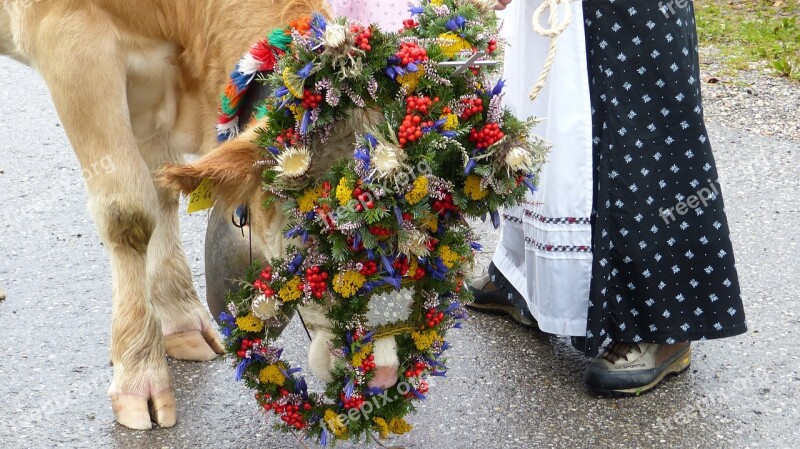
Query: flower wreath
[386, 245]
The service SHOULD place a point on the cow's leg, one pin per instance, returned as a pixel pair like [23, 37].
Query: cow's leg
[80, 57]
[188, 334]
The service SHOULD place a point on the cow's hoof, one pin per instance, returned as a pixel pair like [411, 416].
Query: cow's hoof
[139, 413]
[194, 346]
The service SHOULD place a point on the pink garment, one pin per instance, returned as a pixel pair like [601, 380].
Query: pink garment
[387, 14]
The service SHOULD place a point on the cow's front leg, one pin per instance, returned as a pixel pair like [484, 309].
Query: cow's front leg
[80, 57]
[187, 329]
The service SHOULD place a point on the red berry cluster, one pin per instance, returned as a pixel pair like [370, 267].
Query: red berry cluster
[474, 106]
[434, 318]
[380, 231]
[355, 401]
[370, 268]
[246, 345]
[445, 205]
[401, 264]
[317, 280]
[351, 244]
[492, 46]
[423, 387]
[410, 24]
[415, 370]
[411, 129]
[311, 100]
[411, 52]
[288, 137]
[368, 364]
[362, 37]
[363, 198]
[421, 104]
[262, 283]
[290, 413]
[486, 136]
[418, 274]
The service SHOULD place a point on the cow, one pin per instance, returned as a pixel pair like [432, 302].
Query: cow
[137, 83]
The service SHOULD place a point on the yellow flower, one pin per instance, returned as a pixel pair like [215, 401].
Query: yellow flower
[347, 283]
[451, 122]
[361, 355]
[383, 428]
[343, 192]
[297, 111]
[412, 267]
[308, 201]
[272, 375]
[449, 257]
[424, 340]
[418, 191]
[335, 424]
[410, 80]
[452, 44]
[473, 189]
[291, 290]
[431, 222]
[249, 323]
[437, 2]
[399, 426]
[293, 82]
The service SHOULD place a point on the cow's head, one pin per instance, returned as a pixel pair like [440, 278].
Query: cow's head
[234, 170]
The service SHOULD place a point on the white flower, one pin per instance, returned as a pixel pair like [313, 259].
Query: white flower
[519, 159]
[293, 162]
[414, 243]
[387, 159]
[390, 307]
[265, 308]
[335, 36]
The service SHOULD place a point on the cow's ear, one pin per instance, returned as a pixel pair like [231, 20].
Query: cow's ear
[232, 168]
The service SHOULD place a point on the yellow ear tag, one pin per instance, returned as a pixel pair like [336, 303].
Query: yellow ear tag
[202, 198]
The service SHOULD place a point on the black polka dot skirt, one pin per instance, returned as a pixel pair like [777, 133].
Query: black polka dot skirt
[663, 268]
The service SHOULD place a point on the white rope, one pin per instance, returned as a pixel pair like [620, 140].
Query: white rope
[553, 32]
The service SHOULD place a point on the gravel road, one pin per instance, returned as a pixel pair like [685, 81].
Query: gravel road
[507, 387]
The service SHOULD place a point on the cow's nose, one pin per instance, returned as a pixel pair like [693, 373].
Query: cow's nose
[385, 377]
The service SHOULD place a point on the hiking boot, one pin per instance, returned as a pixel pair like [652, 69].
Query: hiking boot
[630, 369]
[491, 298]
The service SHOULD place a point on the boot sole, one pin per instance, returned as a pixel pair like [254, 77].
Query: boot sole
[679, 366]
[498, 309]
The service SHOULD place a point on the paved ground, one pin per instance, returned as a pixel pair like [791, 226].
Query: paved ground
[507, 388]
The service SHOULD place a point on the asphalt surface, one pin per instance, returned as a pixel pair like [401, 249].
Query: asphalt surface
[507, 387]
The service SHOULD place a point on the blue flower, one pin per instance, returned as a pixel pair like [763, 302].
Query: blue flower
[495, 218]
[470, 165]
[498, 88]
[305, 72]
[415, 10]
[349, 388]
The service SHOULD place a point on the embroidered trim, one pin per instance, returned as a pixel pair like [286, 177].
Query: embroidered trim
[558, 248]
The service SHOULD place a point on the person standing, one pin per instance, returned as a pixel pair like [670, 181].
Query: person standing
[387, 14]
[662, 265]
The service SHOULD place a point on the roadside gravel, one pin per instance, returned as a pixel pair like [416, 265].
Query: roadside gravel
[754, 101]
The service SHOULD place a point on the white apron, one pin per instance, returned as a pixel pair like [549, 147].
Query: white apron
[545, 246]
